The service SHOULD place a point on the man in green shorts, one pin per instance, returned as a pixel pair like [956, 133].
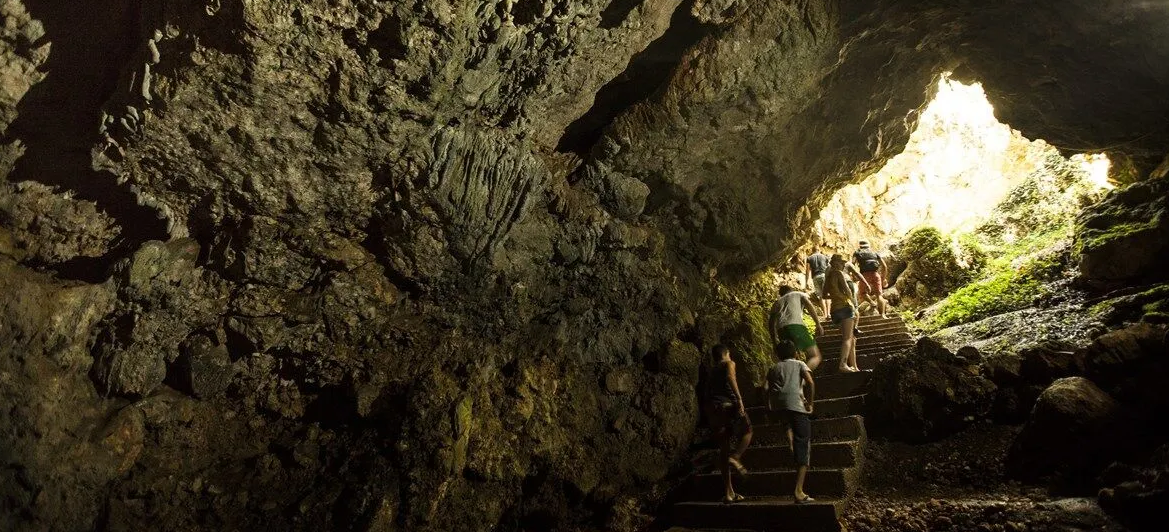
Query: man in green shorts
[787, 323]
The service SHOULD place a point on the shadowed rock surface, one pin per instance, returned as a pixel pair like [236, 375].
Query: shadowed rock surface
[386, 266]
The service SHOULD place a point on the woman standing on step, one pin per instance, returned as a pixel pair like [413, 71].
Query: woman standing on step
[843, 312]
[728, 417]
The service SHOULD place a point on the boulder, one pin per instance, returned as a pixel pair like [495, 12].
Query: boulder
[934, 268]
[1047, 361]
[928, 394]
[1132, 223]
[1131, 363]
[681, 359]
[1069, 435]
[1003, 368]
[203, 368]
[1137, 496]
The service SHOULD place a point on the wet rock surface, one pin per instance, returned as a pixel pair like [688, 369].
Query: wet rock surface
[350, 265]
[960, 483]
[1122, 239]
[1070, 432]
[929, 393]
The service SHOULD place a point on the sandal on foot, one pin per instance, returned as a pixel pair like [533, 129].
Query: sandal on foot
[733, 499]
[807, 499]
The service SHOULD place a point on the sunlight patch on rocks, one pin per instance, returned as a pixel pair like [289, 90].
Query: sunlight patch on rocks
[958, 166]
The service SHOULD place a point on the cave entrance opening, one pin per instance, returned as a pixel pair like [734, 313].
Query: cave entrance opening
[991, 199]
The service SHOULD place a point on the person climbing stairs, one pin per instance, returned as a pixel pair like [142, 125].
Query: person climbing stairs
[838, 440]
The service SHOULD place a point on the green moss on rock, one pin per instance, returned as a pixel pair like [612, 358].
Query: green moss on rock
[750, 344]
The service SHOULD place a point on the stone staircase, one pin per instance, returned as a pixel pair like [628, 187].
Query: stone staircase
[838, 439]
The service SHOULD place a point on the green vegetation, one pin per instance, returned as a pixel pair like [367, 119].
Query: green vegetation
[1091, 239]
[1150, 306]
[1026, 244]
[1005, 291]
[751, 343]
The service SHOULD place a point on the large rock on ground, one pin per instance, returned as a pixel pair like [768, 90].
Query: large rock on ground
[1069, 435]
[1138, 496]
[1125, 238]
[928, 394]
[1021, 376]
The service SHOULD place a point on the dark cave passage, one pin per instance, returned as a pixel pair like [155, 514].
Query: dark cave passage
[645, 75]
[408, 314]
[57, 122]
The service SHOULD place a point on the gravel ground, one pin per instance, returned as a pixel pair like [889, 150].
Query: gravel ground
[958, 484]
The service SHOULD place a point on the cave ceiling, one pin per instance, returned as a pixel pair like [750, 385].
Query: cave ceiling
[348, 222]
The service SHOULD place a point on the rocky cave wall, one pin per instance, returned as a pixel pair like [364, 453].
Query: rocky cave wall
[274, 264]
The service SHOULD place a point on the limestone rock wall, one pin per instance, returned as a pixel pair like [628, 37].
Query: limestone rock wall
[442, 265]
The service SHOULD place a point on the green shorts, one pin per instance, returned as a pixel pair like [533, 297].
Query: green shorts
[799, 335]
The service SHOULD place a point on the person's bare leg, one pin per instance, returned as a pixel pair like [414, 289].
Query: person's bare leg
[814, 357]
[847, 345]
[800, 474]
[724, 454]
[852, 356]
[742, 448]
[882, 306]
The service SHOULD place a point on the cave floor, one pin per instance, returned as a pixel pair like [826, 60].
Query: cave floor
[959, 484]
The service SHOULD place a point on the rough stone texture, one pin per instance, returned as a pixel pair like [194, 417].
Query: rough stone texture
[934, 267]
[398, 221]
[1132, 364]
[46, 228]
[1123, 240]
[928, 394]
[1071, 433]
[1137, 495]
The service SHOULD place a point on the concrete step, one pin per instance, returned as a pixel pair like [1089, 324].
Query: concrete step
[852, 405]
[871, 320]
[881, 349]
[866, 330]
[841, 384]
[840, 407]
[768, 432]
[866, 340]
[828, 386]
[836, 483]
[836, 454]
[774, 514]
[866, 361]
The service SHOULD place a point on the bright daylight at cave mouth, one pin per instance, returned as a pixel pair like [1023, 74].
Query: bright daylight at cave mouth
[584, 265]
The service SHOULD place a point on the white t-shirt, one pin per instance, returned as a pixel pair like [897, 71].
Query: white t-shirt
[785, 385]
[791, 308]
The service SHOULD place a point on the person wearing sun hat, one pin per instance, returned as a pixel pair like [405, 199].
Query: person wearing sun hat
[842, 312]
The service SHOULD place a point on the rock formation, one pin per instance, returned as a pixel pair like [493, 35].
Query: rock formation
[445, 254]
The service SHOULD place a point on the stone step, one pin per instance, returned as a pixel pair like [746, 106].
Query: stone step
[768, 432]
[871, 320]
[841, 384]
[828, 386]
[840, 407]
[824, 408]
[881, 349]
[829, 366]
[837, 483]
[774, 514]
[836, 454]
[866, 340]
[866, 330]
